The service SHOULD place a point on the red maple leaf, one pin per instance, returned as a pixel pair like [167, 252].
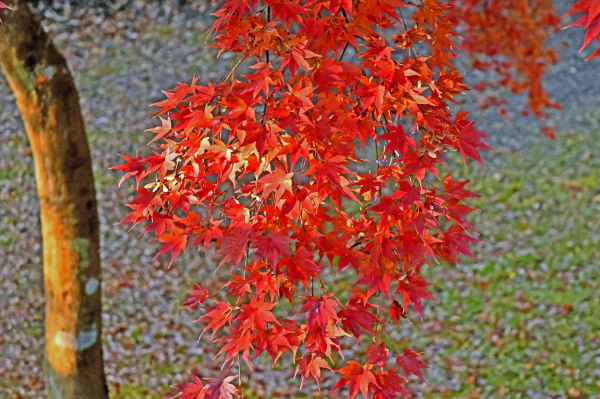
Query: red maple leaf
[300, 266]
[135, 166]
[397, 141]
[302, 94]
[590, 20]
[216, 317]
[237, 343]
[320, 310]
[256, 315]
[359, 377]
[197, 295]
[190, 390]
[280, 338]
[456, 188]
[328, 73]
[141, 206]
[413, 289]
[203, 235]
[396, 312]
[271, 247]
[235, 245]
[334, 6]
[391, 385]
[410, 364]
[286, 9]
[469, 138]
[311, 365]
[378, 354]
[356, 315]
[277, 182]
[173, 242]
[220, 389]
[456, 242]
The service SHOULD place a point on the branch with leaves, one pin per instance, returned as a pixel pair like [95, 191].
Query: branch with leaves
[264, 167]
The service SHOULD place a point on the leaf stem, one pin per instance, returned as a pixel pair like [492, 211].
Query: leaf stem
[240, 376]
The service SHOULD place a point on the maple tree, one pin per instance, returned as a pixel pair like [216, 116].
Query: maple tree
[323, 159]
[48, 102]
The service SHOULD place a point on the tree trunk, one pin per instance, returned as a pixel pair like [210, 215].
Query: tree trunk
[49, 104]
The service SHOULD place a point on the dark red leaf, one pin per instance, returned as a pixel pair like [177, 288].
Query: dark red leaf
[410, 364]
[197, 295]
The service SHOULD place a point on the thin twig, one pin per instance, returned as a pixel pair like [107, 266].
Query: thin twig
[233, 69]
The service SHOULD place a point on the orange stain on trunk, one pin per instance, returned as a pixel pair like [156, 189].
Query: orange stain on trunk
[62, 293]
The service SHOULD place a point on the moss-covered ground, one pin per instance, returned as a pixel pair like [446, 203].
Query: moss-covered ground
[521, 321]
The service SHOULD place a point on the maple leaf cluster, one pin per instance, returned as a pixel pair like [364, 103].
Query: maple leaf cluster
[322, 159]
[507, 38]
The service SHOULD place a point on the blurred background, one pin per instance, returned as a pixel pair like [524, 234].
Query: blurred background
[520, 321]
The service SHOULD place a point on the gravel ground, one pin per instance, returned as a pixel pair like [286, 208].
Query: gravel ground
[122, 58]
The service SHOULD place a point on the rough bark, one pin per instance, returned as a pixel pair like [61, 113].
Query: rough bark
[49, 104]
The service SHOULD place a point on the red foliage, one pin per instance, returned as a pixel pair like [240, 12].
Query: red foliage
[590, 20]
[410, 364]
[359, 377]
[270, 167]
[508, 39]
